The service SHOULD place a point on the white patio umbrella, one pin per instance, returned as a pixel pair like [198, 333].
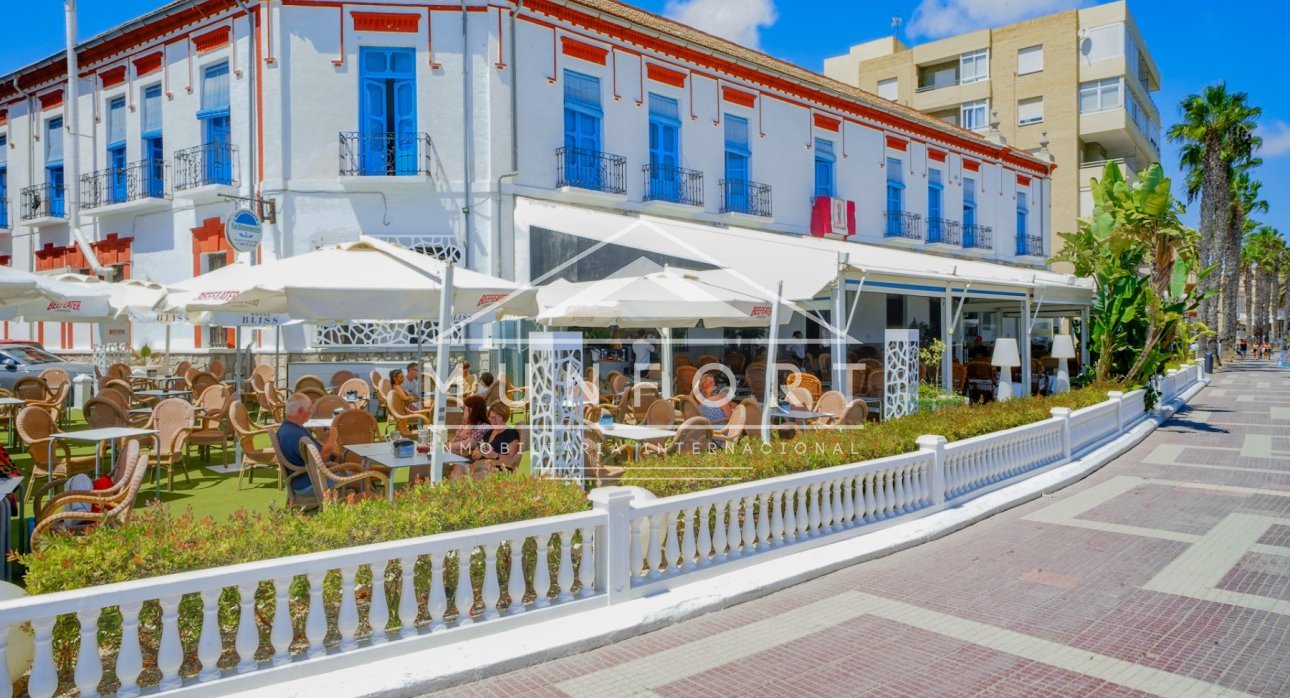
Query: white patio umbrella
[29, 293]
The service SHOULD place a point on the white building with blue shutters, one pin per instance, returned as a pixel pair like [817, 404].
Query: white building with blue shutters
[491, 132]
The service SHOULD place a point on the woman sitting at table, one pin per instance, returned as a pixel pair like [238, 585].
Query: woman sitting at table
[714, 404]
[500, 448]
[474, 427]
[399, 386]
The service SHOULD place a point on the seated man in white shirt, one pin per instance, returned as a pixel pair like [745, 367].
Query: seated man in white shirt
[642, 351]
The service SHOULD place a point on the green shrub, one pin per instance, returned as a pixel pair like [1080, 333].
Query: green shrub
[751, 459]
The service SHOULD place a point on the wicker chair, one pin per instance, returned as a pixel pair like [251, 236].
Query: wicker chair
[126, 460]
[265, 372]
[213, 431]
[301, 500]
[311, 385]
[832, 403]
[200, 381]
[693, 436]
[54, 377]
[357, 427]
[807, 381]
[403, 419]
[824, 364]
[172, 419]
[216, 368]
[735, 428]
[341, 377]
[799, 398]
[31, 389]
[113, 508]
[253, 457]
[735, 361]
[618, 383]
[327, 477]
[104, 413]
[707, 359]
[876, 384]
[959, 373]
[181, 368]
[856, 413]
[684, 381]
[634, 403]
[35, 427]
[326, 406]
[755, 376]
[56, 403]
[593, 465]
[660, 413]
[119, 371]
[272, 401]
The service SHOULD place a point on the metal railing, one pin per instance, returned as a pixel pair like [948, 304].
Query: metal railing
[590, 169]
[202, 165]
[1030, 246]
[743, 196]
[978, 237]
[903, 224]
[385, 154]
[42, 201]
[937, 86]
[145, 179]
[944, 231]
[674, 184]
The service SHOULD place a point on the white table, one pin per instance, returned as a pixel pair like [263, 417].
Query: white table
[318, 423]
[163, 394]
[12, 405]
[637, 433]
[99, 436]
[382, 453]
[796, 414]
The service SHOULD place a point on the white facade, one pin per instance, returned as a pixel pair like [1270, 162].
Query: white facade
[287, 133]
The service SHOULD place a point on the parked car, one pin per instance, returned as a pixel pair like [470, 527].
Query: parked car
[21, 359]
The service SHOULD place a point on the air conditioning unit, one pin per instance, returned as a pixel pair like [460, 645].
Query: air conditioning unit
[832, 217]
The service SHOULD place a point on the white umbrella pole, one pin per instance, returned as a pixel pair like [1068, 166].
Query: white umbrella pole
[666, 378]
[237, 389]
[772, 376]
[165, 363]
[441, 370]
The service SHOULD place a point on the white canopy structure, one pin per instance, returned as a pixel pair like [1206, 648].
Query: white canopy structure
[28, 294]
[90, 299]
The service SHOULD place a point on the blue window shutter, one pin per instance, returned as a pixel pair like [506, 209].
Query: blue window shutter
[54, 141]
[116, 121]
[152, 111]
[215, 88]
[405, 126]
[737, 167]
[155, 159]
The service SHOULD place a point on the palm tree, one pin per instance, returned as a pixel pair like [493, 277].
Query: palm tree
[1216, 133]
[1267, 251]
[1245, 202]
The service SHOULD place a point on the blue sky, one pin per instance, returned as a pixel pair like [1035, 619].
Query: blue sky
[1194, 42]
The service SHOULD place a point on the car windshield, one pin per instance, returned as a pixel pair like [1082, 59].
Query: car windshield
[31, 355]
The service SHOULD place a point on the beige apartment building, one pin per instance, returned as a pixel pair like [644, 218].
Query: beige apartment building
[1082, 79]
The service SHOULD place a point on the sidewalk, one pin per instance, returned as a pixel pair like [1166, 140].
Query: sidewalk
[1166, 572]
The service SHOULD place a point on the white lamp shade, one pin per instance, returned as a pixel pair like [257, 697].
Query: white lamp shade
[1063, 347]
[1005, 352]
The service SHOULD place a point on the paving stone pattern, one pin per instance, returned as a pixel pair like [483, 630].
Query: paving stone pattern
[1167, 572]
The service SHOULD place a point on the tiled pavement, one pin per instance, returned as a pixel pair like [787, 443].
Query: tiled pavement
[1166, 572]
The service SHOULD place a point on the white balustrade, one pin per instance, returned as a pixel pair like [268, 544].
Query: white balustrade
[982, 461]
[1091, 425]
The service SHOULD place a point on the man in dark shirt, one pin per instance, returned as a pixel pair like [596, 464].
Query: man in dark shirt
[297, 412]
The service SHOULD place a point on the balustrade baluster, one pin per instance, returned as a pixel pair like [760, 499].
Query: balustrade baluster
[704, 552]
[247, 640]
[43, 680]
[688, 548]
[564, 575]
[777, 518]
[825, 494]
[347, 618]
[870, 501]
[89, 666]
[845, 501]
[902, 490]
[283, 632]
[634, 558]
[733, 535]
[655, 550]
[587, 563]
[316, 621]
[790, 516]
[492, 591]
[408, 596]
[170, 655]
[378, 609]
[671, 548]
[719, 533]
[437, 604]
[763, 521]
[464, 599]
[515, 587]
[880, 495]
[129, 659]
[750, 524]
[542, 573]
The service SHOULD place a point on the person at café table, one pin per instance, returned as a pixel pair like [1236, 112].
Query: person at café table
[298, 409]
[474, 427]
[713, 405]
[398, 386]
[500, 448]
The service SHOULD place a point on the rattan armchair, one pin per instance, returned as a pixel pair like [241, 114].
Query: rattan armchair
[113, 509]
[172, 419]
[36, 427]
[253, 457]
[334, 477]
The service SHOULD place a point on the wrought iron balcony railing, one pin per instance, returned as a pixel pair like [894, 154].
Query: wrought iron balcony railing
[42, 201]
[590, 169]
[1030, 246]
[743, 196]
[145, 179]
[903, 224]
[385, 154]
[203, 165]
[674, 184]
[944, 231]
[978, 237]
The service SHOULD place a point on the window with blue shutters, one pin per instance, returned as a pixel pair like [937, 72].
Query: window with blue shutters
[387, 111]
[216, 127]
[969, 212]
[54, 165]
[934, 197]
[4, 182]
[116, 150]
[154, 159]
[582, 117]
[1023, 242]
[738, 165]
[664, 148]
[895, 197]
[824, 164]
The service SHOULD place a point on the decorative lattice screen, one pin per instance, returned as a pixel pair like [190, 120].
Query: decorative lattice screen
[900, 376]
[555, 405]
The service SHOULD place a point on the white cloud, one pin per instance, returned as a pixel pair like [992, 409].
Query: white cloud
[935, 19]
[740, 21]
[1276, 138]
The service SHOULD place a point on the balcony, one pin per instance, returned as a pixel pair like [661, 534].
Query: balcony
[904, 225]
[673, 185]
[1030, 246]
[943, 231]
[591, 170]
[135, 187]
[744, 197]
[42, 204]
[978, 237]
[385, 154]
[209, 169]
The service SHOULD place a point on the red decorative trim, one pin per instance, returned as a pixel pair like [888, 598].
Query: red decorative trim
[147, 64]
[112, 77]
[1023, 181]
[971, 165]
[4, 117]
[5, 260]
[211, 40]
[583, 51]
[897, 143]
[207, 238]
[937, 155]
[49, 100]
[743, 99]
[667, 76]
[827, 123]
[393, 22]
